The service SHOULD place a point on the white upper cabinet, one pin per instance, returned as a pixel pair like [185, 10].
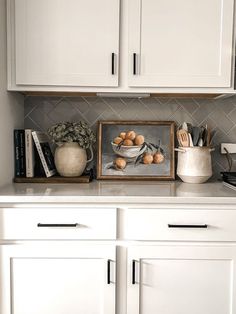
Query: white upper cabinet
[66, 43]
[184, 43]
[184, 46]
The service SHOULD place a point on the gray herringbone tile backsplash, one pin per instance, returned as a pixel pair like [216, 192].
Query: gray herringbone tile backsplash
[219, 115]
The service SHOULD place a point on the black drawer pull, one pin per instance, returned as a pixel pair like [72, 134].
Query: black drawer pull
[134, 63]
[40, 225]
[109, 272]
[133, 272]
[188, 226]
[113, 63]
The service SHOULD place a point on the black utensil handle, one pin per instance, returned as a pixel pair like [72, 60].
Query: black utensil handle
[133, 272]
[109, 272]
[40, 225]
[188, 226]
[134, 64]
[113, 63]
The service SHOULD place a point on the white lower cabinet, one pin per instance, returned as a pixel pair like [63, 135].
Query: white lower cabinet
[178, 279]
[143, 267]
[57, 279]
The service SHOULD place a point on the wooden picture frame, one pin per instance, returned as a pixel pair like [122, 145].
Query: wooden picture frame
[158, 139]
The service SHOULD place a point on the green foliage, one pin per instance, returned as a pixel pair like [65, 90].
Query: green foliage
[78, 132]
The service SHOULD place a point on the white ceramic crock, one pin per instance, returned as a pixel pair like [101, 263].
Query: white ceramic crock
[194, 164]
[71, 159]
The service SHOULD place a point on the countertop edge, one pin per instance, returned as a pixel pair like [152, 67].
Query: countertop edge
[116, 200]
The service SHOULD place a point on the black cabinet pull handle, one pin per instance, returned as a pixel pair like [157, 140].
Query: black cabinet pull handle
[133, 272]
[134, 63]
[109, 272]
[188, 226]
[113, 63]
[40, 225]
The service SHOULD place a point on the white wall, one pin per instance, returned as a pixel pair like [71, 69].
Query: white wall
[11, 108]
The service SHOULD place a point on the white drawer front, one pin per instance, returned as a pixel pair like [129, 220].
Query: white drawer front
[62, 223]
[178, 225]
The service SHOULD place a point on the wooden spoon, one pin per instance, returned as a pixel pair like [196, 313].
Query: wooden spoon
[183, 137]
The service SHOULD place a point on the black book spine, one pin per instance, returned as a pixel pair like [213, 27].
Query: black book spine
[17, 153]
[22, 153]
[38, 167]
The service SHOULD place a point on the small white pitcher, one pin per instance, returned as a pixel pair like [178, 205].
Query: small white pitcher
[194, 164]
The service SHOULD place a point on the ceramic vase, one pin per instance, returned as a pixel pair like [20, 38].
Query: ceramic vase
[71, 159]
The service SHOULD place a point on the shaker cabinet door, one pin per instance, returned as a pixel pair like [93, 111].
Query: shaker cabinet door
[184, 43]
[181, 280]
[57, 279]
[67, 43]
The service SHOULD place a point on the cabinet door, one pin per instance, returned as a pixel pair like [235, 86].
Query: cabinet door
[69, 43]
[184, 43]
[58, 279]
[181, 280]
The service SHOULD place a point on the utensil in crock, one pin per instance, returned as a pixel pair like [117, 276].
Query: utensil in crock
[183, 137]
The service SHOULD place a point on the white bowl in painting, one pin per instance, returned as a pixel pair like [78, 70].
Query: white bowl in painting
[127, 151]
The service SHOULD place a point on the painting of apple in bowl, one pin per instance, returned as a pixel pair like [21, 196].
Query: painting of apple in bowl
[135, 150]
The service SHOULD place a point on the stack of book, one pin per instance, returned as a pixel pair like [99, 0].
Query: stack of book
[33, 155]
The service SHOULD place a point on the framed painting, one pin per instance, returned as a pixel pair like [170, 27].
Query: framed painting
[136, 150]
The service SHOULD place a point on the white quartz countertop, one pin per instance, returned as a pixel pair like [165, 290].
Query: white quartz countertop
[119, 192]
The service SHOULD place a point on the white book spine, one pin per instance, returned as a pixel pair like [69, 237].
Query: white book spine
[29, 154]
[40, 152]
